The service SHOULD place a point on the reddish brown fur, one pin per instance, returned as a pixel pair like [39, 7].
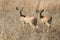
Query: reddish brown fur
[45, 19]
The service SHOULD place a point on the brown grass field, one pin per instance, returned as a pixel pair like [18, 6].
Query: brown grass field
[11, 27]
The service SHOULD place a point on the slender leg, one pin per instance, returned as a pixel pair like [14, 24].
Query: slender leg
[22, 21]
[49, 26]
[32, 25]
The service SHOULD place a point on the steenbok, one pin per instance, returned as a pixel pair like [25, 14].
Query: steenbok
[32, 21]
[45, 19]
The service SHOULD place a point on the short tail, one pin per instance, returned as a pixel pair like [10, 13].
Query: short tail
[50, 21]
[51, 18]
[34, 21]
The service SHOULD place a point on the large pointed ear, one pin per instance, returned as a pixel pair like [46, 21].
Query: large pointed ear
[42, 10]
[37, 10]
[17, 8]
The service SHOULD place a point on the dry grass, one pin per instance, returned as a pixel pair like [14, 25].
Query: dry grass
[11, 27]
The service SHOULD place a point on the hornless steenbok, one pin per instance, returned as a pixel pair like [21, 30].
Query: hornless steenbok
[32, 21]
[46, 20]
